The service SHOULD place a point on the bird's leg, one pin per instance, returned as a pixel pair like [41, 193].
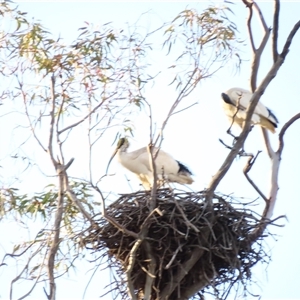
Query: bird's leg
[231, 134]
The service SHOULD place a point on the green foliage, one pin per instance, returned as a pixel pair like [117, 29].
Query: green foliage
[205, 42]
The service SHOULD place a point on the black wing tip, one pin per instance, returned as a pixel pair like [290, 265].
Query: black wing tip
[226, 98]
[271, 114]
[183, 168]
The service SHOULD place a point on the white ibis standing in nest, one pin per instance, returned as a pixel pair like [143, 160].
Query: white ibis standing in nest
[167, 168]
[235, 103]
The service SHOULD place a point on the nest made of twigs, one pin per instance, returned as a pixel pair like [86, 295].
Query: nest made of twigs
[227, 234]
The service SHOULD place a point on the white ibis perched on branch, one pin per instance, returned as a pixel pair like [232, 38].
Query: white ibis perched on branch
[235, 103]
[167, 168]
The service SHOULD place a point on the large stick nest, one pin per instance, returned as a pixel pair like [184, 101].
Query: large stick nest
[228, 236]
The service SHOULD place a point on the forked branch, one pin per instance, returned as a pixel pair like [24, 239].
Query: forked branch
[256, 52]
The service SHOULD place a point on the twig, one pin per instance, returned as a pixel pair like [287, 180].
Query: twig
[173, 257]
[185, 218]
[84, 118]
[110, 219]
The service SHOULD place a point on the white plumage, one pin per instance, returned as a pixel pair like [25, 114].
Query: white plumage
[167, 168]
[235, 103]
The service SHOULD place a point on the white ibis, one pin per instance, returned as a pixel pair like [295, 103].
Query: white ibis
[235, 103]
[167, 168]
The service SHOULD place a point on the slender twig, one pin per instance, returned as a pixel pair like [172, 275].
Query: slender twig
[107, 217]
[188, 223]
[84, 118]
[25, 268]
[27, 115]
[173, 257]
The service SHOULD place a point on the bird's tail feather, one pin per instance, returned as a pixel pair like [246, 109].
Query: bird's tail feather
[266, 123]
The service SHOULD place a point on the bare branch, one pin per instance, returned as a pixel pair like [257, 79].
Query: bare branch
[175, 104]
[267, 143]
[275, 29]
[289, 40]
[83, 119]
[246, 170]
[284, 129]
[256, 52]
[250, 29]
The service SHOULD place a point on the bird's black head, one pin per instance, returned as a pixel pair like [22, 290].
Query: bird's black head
[122, 142]
[226, 98]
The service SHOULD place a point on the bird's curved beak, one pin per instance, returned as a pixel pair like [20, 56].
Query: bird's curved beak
[115, 152]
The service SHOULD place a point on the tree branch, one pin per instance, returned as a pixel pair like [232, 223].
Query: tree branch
[249, 28]
[246, 170]
[84, 118]
[52, 120]
[258, 52]
[284, 129]
[185, 268]
[289, 40]
[267, 143]
[275, 29]
[56, 235]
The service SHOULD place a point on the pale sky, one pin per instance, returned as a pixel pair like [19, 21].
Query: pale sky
[191, 137]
